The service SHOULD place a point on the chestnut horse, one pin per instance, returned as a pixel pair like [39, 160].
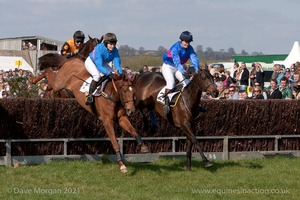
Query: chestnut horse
[111, 109]
[49, 60]
[148, 86]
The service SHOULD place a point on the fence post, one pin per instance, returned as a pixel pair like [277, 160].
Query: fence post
[8, 153]
[276, 142]
[121, 145]
[66, 147]
[225, 155]
[174, 144]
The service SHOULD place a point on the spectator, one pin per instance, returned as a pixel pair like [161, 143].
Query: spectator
[244, 76]
[252, 75]
[228, 79]
[233, 94]
[276, 71]
[296, 80]
[243, 95]
[221, 91]
[274, 92]
[290, 76]
[238, 76]
[280, 75]
[257, 93]
[222, 75]
[286, 92]
[259, 75]
[226, 94]
[235, 70]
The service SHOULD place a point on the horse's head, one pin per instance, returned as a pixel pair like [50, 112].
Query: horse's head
[124, 87]
[206, 82]
[88, 47]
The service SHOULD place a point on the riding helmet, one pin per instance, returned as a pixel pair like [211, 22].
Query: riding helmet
[186, 36]
[79, 35]
[110, 38]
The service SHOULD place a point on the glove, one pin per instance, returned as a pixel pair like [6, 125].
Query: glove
[111, 76]
[76, 51]
[186, 75]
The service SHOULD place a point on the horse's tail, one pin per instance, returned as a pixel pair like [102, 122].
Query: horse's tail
[53, 60]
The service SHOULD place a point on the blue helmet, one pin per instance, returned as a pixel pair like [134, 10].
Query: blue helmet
[186, 36]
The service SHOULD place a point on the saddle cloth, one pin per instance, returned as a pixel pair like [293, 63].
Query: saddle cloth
[86, 86]
[172, 96]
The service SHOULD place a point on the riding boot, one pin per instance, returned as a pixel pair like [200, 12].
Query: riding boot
[89, 99]
[166, 108]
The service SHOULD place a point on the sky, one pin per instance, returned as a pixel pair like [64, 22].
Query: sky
[267, 26]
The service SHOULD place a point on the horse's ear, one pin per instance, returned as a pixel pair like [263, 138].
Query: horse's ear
[101, 39]
[90, 38]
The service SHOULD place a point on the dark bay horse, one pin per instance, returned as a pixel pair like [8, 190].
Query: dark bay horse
[147, 88]
[56, 60]
[110, 110]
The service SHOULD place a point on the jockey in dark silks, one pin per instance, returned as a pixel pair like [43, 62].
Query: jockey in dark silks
[71, 46]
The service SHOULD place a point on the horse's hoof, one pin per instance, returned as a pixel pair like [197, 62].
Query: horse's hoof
[144, 149]
[208, 164]
[123, 169]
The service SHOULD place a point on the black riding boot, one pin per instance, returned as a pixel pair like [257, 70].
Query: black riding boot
[89, 99]
[166, 108]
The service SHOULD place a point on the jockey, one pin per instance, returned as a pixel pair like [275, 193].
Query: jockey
[97, 63]
[173, 62]
[71, 46]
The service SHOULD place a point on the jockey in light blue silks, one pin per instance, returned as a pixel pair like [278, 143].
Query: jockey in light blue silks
[97, 64]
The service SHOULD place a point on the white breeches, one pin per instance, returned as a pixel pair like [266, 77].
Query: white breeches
[92, 69]
[169, 72]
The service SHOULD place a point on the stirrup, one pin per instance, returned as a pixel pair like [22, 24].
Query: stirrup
[89, 99]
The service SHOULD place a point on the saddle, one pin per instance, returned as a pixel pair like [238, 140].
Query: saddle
[173, 95]
[99, 89]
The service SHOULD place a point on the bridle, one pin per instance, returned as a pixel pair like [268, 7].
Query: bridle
[121, 97]
[205, 89]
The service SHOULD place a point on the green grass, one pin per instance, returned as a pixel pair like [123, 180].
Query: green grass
[275, 178]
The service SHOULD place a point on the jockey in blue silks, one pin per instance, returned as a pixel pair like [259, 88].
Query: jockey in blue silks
[97, 64]
[173, 61]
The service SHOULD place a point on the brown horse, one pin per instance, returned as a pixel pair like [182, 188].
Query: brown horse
[111, 109]
[149, 84]
[56, 59]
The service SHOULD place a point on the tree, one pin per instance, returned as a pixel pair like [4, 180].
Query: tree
[161, 50]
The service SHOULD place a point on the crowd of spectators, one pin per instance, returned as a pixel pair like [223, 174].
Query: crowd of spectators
[14, 82]
[244, 83]
[249, 84]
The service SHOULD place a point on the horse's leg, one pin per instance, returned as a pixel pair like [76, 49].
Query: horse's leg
[126, 125]
[188, 155]
[36, 79]
[109, 127]
[187, 128]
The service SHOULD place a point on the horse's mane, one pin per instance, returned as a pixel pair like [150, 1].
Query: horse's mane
[50, 60]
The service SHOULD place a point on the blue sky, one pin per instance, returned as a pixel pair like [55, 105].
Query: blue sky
[268, 26]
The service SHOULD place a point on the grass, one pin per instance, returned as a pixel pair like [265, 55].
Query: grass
[274, 178]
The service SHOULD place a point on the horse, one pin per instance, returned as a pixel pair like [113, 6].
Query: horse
[50, 58]
[114, 107]
[147, 88]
